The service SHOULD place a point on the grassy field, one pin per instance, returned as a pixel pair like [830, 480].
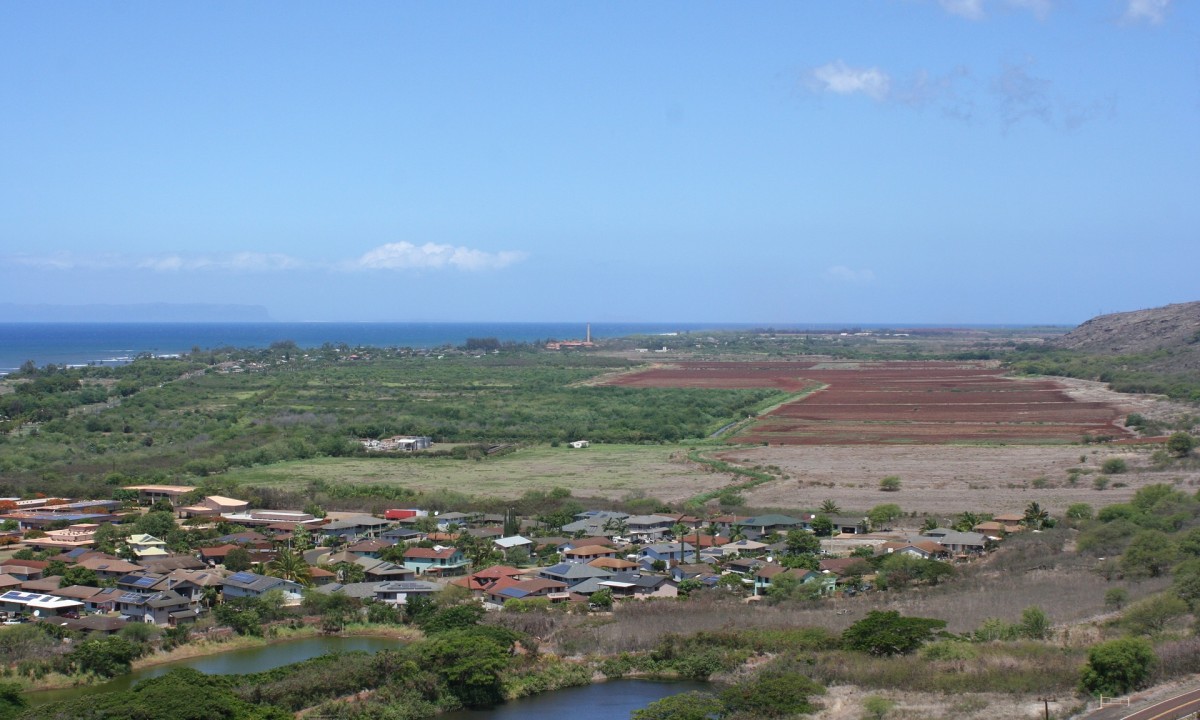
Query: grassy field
[609, 471]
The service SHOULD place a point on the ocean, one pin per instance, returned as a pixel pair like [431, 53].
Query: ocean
[115, 343]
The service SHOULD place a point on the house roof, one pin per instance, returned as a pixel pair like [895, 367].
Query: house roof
[574, 571]
[611, 563]
[254, 581]
[590, 550]
[430, 553]
[771, 520]
[512, 541]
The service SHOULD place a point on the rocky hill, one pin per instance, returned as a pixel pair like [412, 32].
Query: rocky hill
[1172, 332]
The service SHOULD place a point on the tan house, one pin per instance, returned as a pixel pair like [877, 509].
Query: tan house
[150, 494]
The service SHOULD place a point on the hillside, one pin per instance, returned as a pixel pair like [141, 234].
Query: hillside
[1170, 335]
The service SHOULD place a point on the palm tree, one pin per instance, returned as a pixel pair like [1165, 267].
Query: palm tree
[290, 566]
[1035, 516]
[966, 522]
[829, 507]
[737, 532]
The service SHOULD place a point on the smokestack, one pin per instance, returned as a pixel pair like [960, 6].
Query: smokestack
[589, 332]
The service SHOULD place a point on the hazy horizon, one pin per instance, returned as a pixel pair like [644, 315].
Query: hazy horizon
[939, 161]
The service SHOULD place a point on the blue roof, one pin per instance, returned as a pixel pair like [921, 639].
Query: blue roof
[244, 577]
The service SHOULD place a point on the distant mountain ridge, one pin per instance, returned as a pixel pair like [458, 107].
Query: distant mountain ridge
[1172, 328]
[135, 312]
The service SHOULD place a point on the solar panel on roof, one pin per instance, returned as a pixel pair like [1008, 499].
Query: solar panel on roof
[243, 577]
[132, 597]
[145, 582]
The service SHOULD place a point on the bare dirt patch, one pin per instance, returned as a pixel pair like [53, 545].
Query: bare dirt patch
[948, 479]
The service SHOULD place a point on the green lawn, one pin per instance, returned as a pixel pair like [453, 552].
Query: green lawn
[612, 471]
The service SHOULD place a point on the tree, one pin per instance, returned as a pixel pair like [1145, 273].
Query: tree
[829, 507]
[237, 560]
[966, 522]
[158, 524]
[822, 526]
[76, 575]
[881, 516]
[106, 657]
[470, 662]
[889, 633]
[1116, 598]
[689, 586]
[891, 483]
[12, 702]
[1150, 554]
[802, 542]
[1181, 444]
[602, 599]
[1035, 516]
[1034, 623]
[1118, 666]
[1186, 582]
[290, 566]
[1150, 616]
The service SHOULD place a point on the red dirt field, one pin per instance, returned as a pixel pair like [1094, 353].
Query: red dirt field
[896, 402]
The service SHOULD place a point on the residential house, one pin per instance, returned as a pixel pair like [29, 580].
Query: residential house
[398, 593]
[145, 546]
[638, 585]
[107, 567]
[573, 574]
[502, 592]
[16, 602]
[248, 584]
[960, 543]
[435, 560]
[588, 553]
[166, 608]
[505, 544]
[647, 528]
[666, 552]
[479, 582]
[355, 527]
[370, 548]
[614, 564]
[760, 526]
[848, 525]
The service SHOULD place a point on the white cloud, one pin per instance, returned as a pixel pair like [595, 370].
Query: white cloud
[841, 273]
[1151, 11]
[393, 256]
[838, 77]
[977, 9]
[970, 9]
[406, 256]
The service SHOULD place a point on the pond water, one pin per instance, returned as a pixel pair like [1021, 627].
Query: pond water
[613, 700]
[244, 660]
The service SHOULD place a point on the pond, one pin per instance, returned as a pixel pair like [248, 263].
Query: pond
[240, 661]
[613, 700]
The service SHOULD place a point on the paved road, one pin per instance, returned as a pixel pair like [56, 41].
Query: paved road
[1171, 709]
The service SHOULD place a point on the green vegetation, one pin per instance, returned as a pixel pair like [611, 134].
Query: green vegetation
[1118, 666]
[171, 420]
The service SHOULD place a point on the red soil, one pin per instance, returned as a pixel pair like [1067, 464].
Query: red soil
[889, 402]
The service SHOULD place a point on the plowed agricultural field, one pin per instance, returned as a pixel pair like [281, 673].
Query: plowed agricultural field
[896, 402]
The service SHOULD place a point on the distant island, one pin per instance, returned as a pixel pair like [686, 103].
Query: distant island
[138, 312]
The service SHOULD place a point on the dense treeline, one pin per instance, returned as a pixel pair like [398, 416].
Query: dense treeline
[1123, 373]
[210, 419]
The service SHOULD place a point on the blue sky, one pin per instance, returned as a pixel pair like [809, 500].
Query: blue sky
[961, 161]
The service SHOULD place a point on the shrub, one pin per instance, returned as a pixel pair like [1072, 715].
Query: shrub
[1117, 666]
[1114, 466]
[889, 633]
